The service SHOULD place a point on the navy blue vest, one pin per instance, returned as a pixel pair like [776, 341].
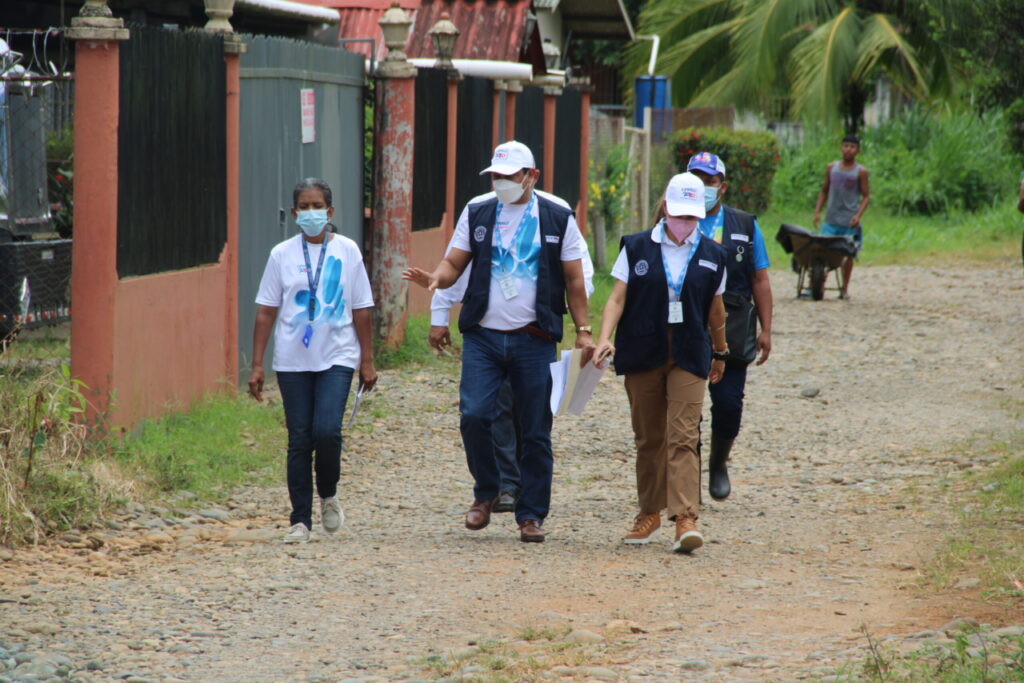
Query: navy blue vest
[550, 304]
[641, 340]
[741, 273]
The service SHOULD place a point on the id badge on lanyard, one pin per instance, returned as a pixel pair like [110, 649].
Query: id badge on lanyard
[314, 281]
[675, 311]
[509, 289]
[675, 308]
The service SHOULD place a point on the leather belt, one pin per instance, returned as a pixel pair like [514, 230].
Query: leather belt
[532, 329]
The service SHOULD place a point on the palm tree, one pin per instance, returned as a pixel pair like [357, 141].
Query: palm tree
[818, 56]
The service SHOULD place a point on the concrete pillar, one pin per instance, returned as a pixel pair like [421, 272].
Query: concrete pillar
[392, 211]
[581, 206]
[550, 107]
[511, 90]
[451, 158]
[94, 249]
[496, 129]
[233, 49]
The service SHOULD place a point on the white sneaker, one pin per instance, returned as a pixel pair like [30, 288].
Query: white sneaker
[331, 515]
[297, 534]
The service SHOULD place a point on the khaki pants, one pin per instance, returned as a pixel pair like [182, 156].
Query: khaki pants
[665, 404]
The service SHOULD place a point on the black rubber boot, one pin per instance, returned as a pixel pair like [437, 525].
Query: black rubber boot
[718, 473]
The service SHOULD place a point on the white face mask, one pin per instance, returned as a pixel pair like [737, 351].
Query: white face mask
[508, 191]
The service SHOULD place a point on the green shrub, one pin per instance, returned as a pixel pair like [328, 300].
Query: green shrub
[923, 163]
[609, 186]
[750, 161]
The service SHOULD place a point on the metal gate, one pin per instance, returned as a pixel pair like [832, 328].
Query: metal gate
[286, 136]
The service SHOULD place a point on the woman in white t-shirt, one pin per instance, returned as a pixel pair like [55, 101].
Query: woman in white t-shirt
[315, 286]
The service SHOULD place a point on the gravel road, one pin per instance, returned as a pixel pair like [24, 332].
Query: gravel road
[836, 506]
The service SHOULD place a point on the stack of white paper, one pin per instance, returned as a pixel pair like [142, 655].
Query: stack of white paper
[571, 385]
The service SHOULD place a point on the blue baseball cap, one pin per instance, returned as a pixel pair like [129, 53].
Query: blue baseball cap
[706, 162]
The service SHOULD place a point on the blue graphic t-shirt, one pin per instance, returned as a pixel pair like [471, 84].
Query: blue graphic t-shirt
[518, 251]
[343, 287]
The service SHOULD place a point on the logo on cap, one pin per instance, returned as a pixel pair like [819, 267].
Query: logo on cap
[704, 157]
[500, 155]
[479, 233]
[688, 193]
[641, 267]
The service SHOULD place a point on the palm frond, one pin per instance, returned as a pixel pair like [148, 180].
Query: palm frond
[880, 40]
[674, 21]
[698, 60]
[771, 28]
[822, 64]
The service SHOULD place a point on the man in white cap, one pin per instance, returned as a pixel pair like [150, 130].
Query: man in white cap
[503, 430]
[527, 253]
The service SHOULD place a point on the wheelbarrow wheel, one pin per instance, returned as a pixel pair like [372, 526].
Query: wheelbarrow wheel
[818, 274]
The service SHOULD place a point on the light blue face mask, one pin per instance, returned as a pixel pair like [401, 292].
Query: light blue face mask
[312, 221]
[710, 197]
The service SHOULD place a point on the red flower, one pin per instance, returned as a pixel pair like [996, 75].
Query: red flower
[59, 178]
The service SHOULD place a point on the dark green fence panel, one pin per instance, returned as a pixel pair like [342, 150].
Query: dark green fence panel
[473, 139]
[567, 146]
[430, 151]
[172, 185]
[530, 124]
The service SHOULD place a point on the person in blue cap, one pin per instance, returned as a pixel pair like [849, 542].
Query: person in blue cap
[747, 286]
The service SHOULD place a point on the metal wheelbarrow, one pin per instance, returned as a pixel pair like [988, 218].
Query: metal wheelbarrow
[814, 256]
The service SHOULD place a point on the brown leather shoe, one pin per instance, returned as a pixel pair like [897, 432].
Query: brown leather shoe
[530, 531]
[479, 514]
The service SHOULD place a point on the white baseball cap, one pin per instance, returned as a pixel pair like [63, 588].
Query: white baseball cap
[509, 157]
[684, 196]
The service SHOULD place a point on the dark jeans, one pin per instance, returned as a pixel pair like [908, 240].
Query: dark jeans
[489, 358]
[314, 403]
[727, 402]
[504, 433]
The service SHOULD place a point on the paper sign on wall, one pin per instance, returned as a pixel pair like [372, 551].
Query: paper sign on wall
[307, 99]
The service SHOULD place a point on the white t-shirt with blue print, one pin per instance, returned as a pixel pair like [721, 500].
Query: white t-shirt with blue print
[343, 288]
[714, 227]
[519, 256]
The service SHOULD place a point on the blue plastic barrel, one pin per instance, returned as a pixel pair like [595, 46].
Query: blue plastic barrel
[649, 91]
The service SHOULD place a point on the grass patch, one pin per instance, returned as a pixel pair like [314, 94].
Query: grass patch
[49, 479]
[989, 542]
[219, 443]
[502, 661]
[414, 348]
[45, 343]
[983, 660]
[992, 234]
[53, 477]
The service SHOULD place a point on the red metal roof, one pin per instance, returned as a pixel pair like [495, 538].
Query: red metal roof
[489, 29]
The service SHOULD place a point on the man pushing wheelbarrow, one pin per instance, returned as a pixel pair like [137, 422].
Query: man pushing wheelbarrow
[846, 189]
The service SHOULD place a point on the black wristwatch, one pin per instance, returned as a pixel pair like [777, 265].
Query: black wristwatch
[720, 355]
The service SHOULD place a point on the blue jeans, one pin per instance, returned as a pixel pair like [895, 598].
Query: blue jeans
[488, 358]
[314, 403]
[504, 433]
[727, 402]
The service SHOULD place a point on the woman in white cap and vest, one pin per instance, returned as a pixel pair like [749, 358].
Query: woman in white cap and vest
[666, 298]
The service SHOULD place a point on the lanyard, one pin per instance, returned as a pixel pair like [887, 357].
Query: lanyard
[677, 286]
[527, 217]
[714, 228]
[314, 281]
